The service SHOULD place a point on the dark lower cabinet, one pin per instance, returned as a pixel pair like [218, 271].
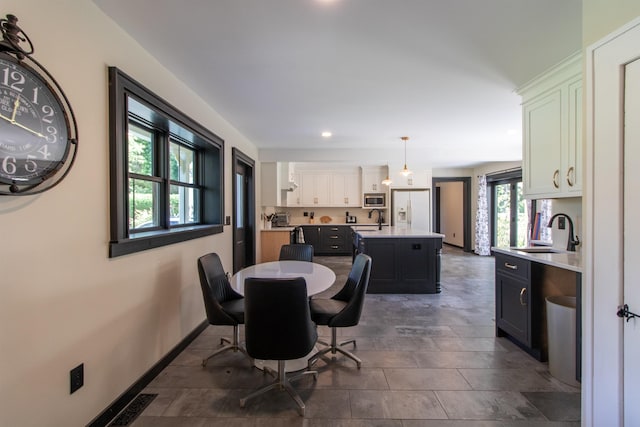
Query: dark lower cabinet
[403, 265]
[312, 236]
[328, 239]
[518, 304]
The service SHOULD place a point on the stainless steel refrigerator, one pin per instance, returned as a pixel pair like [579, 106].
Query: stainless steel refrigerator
[411, 208]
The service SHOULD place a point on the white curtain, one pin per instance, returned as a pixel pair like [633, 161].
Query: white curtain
[482, 219]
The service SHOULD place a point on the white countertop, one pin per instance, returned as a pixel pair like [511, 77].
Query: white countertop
[278, 229]
[561, 259]
[396, 232]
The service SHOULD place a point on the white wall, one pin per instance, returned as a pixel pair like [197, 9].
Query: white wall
[62, 300]
[571, 206]
[451, 212]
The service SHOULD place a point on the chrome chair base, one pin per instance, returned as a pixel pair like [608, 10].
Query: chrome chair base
[233, 345]
[282, 382]
[334, 347]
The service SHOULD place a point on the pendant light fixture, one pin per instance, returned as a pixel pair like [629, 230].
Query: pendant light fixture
[405, 171]
[387, 181]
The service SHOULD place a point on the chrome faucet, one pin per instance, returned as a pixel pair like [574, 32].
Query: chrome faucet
[380, 217]
[572, 241]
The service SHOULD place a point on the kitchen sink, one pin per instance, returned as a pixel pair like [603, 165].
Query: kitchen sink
[538, 250]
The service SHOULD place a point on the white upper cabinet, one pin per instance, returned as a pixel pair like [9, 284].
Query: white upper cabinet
[315, 188]
[318, 184]
[552, 132]
[293, 196]
[372, 177]
[346, 189]
[574, 171]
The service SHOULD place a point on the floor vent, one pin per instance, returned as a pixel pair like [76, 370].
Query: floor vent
[135, 408]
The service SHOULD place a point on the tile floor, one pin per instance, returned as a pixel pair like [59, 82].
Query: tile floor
[428, 360]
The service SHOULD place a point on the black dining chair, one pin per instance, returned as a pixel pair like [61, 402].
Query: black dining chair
[223, 305]
[278, 327]
[296, 252]
[343, 309]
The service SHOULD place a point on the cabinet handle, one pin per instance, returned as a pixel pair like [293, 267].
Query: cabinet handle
[334, 247]
[334, 237]
[510, 266]
[522, 292]
[555, 178]
[570, 176]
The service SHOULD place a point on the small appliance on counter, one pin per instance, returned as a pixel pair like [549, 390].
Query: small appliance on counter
[280, 219]
[350, 219]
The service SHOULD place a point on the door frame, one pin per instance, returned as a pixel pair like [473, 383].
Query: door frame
[238, 157]
[466, 206]
[603, 204]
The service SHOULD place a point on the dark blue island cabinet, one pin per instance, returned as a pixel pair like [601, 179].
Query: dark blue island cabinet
[404, 263]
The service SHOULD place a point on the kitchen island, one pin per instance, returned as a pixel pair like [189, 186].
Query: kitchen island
[404, 260]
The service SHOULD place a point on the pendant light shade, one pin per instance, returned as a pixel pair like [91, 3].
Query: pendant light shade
[387, 181]
[405, 171]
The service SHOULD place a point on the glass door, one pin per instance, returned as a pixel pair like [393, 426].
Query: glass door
[510, 213]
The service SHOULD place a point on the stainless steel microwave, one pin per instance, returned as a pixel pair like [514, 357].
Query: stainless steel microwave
[374, 200]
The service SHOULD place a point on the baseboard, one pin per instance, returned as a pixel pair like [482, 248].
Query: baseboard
[121, 402]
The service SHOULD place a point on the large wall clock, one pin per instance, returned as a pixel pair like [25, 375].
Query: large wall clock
[38, 132]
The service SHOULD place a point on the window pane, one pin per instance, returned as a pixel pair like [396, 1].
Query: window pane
[182, 161]
[239, 201]
[143, 204]
[523, 216]
[502, 224]
[140, 149]
[183, 205]
[544, 206]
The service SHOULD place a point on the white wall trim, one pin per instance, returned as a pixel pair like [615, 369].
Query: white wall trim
[602, 374]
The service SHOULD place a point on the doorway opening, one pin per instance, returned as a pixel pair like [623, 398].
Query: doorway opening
[460, 202]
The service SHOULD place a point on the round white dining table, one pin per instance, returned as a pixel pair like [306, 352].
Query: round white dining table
[318, 277]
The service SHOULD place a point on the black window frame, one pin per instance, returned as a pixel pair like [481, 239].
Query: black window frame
[174, 123]
[512, 178]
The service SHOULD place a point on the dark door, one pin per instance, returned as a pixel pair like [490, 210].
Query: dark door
[244, 248]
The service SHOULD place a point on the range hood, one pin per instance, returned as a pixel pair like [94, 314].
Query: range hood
[290, 186]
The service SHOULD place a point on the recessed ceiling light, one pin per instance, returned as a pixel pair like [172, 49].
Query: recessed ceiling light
[326, 134]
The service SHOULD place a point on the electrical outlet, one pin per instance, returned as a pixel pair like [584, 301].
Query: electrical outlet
[76, 376]
[561, 223]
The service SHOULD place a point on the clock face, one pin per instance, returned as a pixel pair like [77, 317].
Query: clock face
[34, 140]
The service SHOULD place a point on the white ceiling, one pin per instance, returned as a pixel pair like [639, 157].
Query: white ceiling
[442, 72]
